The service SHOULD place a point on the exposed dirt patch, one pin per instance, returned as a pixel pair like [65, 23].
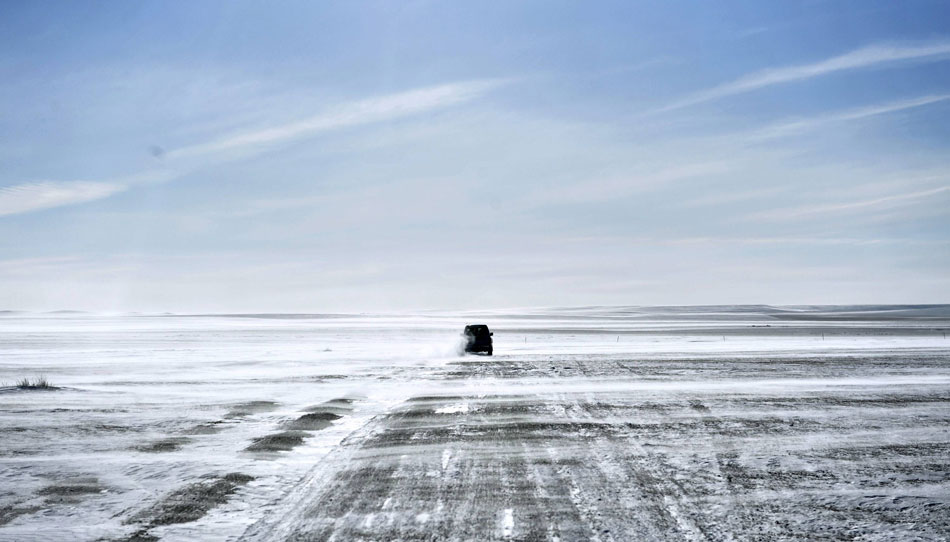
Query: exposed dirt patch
[237, 478]
[508, 409]
[170, 444]
[11, 512]
[140, 536]
[209, 428]
[278, 442]
[71, 490]
[341, 406]
[698, 406]
[241, 410]
[436, 398]
[313, 421]
[186, 504]
[415, 413]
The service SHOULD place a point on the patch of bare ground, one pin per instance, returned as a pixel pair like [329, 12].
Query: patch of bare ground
[140, 536]
[170, 444]
[322, 415]
[70, 491]
[316, 418]
[186, 504]
[241, 410]
[340, 406]
[9, 513]
[313, 421]
[208, 428]
[278, 442]
[435, 398]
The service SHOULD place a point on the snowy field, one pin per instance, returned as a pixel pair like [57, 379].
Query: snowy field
[701, 423]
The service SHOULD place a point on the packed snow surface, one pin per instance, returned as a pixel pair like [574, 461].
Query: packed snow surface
[594, 423]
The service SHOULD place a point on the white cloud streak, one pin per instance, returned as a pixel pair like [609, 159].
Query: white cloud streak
[35, 196]
[38, 195]
[378, 109]
[598, 190]
[796, 126]
[806, 211]
[864, 57]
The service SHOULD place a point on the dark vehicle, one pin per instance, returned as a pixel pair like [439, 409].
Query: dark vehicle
[478, 339]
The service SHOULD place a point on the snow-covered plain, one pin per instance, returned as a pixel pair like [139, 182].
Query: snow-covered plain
[594, 423]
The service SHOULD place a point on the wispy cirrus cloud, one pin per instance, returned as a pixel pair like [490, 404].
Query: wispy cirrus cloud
[800, 125]
[808, 211]
[35, 196]
[367, 111]
[864, 57]
[606, 189]
[731, 197]
[38, 195]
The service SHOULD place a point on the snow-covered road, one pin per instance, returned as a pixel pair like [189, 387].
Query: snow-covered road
[593, 424]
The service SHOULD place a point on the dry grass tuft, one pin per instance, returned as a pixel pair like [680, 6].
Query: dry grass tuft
[38, 383]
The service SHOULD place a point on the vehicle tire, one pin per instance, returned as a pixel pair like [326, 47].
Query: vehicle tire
[489, 351]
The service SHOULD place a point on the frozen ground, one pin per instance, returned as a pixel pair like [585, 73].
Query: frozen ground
[713, 423]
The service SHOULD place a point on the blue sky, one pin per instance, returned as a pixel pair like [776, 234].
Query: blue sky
[317, 156]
